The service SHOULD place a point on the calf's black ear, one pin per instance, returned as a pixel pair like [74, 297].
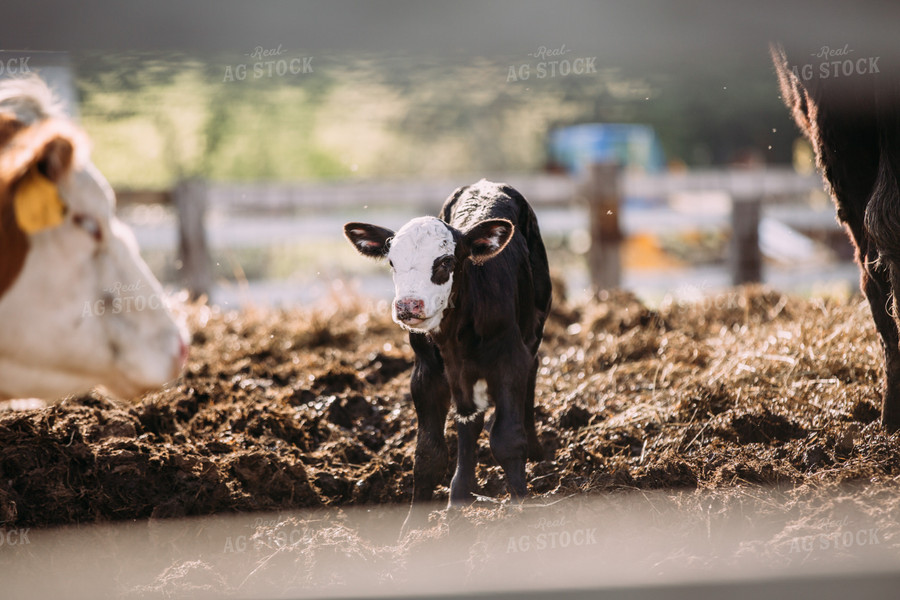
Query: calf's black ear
[488, 238]
[369, 240]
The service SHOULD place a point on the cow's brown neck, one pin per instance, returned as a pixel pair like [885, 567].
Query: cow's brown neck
[13, 242]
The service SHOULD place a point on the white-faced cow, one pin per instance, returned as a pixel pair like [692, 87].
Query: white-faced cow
[473, 289]
[849, 109]
[78, 306]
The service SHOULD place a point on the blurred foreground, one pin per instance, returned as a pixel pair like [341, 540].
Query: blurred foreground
[738, 543]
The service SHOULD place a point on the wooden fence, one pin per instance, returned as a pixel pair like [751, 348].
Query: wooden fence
[601, 191]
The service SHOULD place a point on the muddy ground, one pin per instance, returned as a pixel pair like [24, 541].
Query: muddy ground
[281, 410]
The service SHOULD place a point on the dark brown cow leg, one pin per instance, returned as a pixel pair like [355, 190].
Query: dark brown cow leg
[882, 224]
[877, 287]
[890, 340]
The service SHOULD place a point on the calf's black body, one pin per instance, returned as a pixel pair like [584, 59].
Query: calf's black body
[490, 333]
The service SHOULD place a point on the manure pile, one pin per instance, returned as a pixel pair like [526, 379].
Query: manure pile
[294, 409]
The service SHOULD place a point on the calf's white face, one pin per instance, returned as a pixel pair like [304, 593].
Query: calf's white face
[84, 309]
[424, 256]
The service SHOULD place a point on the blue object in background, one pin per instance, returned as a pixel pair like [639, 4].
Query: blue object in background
[635, 147]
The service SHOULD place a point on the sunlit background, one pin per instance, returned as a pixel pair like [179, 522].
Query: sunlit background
[286, 141]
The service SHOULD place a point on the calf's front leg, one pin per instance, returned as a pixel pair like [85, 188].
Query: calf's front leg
[431, 397]
[464, 486]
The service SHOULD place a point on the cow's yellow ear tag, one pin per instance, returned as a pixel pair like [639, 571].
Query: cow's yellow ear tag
[37, 203]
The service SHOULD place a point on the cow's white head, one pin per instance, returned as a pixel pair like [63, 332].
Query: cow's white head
[424, 256]
[78, 305]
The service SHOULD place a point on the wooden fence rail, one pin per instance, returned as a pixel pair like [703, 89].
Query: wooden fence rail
[602, 191]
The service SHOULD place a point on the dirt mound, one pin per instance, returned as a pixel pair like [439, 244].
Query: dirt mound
[290, 409]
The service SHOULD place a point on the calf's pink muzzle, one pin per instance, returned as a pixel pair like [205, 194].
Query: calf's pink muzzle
[410, 310]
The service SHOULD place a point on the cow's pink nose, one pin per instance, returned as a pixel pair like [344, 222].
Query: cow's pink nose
[410, 308]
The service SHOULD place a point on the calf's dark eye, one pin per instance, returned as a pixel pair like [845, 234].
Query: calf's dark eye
[442, 269]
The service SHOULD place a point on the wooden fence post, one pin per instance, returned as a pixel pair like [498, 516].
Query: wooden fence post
[746, 257]
[194, 259]
[604, 199]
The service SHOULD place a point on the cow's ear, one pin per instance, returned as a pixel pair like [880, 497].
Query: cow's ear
[33, 160]
[488, 238]
[56, 157]
[370, 240]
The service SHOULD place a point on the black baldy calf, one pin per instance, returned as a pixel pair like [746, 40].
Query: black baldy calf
[853, 123]
[473, 289]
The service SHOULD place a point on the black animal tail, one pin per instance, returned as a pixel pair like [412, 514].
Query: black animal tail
[793, 93]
